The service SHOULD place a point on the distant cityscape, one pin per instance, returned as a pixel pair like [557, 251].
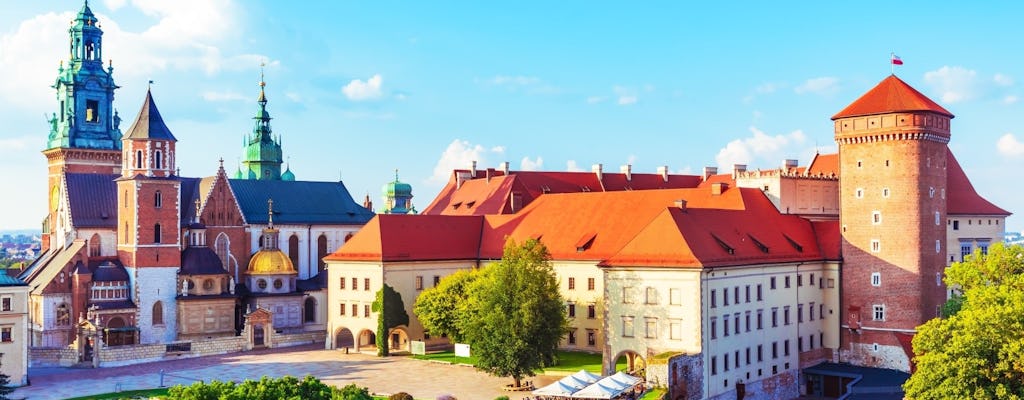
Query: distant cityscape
[18, 246]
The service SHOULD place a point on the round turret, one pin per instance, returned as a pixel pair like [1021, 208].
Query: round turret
[271, 262]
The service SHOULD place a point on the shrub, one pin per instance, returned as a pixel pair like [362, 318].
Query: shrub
[400, 396]
[446, 397]
[501, 398]
[288, 387]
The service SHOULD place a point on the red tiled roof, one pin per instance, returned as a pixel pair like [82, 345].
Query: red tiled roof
[711, 237]
[830, 239]
[891, 95]
[397, 237]
[961, 198]
[719, 178]
[824, 164]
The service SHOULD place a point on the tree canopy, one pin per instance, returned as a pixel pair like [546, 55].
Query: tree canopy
[440, 308]
[390, 314]
[977, 349]
[515, 314]
[288, 387]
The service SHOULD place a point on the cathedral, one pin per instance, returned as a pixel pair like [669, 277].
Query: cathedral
[135, 254]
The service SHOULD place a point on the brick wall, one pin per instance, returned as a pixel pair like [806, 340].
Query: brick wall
[785, 385]
[297, 339]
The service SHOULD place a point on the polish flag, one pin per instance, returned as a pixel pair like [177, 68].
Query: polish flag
[896, 60]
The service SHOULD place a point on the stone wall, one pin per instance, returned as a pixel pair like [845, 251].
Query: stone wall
[297, 339]
[222, 345]
[52, 357]
[785, 385]
[117, 356]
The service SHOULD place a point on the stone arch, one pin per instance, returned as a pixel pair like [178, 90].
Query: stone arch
[398, 339]
[222, 246]
[95, 246]
[309, 311]
[343, 339]
[367, 338]
[635, 363]
[321, 252]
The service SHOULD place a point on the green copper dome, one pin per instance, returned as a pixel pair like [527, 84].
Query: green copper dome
[397, 197]
[287, 175]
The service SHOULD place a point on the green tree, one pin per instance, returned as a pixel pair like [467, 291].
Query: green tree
[5, 382]
[352, 392]
[515, 315]
[977, 350]
[441, 308]
[390, 314]
[288, 387]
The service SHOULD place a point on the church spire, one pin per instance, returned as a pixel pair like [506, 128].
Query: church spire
[263, 155]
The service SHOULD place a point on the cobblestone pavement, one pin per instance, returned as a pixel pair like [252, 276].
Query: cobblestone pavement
[422, 379]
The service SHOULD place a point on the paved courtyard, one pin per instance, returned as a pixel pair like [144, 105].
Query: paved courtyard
[422, 379]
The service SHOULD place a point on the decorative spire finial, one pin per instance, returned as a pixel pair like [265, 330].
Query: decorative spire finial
[270, 213]
[221, 162]
[396, 174]
[197, 210]
[262, 82]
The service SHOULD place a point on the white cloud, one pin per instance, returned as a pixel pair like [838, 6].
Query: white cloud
[17, 144]
[294, 97]
[571, 166]
[1008, 145]
[824, 86]
[359, 90]
[223, 96]
[498, 149]
[114, 5]
[767, 88]
[954, 84]
[521, 84]
[759, 147]
[627, 100]
[188, 35]
[531, 165]
[596, 99]
[1002, 80]
[1010, 99]
[626, 96]
[459, 155]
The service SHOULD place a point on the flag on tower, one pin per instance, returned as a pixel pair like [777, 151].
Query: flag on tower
[896, 60]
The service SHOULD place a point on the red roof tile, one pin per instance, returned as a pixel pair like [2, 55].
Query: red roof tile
[830, 240]
[961, 198]
[397, 237]
[824, 164]
[891, 95]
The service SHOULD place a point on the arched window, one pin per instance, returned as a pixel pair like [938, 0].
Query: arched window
[158, 313]
[293, 249]
[158, 160]
[94, 245]
[138, 159]
[158, 199]
[348, 236]
[222, 246]
[309, 310]
[321, 252]
[63, 315]
[156, 233]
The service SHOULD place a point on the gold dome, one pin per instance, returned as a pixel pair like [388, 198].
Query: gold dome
[270, 262]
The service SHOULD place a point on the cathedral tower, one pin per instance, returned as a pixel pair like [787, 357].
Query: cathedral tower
[149, 224]
[84, 132]
[892, 155]
[263, 155]
[397, 197]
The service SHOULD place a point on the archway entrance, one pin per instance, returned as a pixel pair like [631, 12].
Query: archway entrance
[343, 339]
[398, 340]
[258, 339]
[367, 339]
[631, 363]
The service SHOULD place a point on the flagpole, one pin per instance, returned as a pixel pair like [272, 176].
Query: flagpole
[892, 65]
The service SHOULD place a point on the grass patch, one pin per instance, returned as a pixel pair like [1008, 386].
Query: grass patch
[127, 394]
[568, 361]
[653, 394]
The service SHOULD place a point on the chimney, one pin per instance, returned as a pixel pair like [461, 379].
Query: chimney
[718, 187]
[627, 170]
[487, 174]
[504, 167]
[738, 169]
[681, 204]
[663, 171]
[598, 170]
[708, 171]
[472, 170]
[788, 164]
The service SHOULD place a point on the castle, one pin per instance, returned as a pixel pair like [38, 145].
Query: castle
[136, 255]
[754, 284]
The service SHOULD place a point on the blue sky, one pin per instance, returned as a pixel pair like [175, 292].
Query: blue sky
[359, 89]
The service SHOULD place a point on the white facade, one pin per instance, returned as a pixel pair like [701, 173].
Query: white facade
[307, 236]
[14, 340]
[154, 284]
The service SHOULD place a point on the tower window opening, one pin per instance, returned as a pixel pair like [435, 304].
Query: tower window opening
[156, 233]
[158, 161]
[138, 159]
[92, 111]
[158, 199]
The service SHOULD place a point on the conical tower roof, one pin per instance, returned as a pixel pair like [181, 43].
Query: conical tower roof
[149, 124]
[892, 94]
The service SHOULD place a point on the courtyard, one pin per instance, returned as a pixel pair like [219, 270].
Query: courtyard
[422, 379]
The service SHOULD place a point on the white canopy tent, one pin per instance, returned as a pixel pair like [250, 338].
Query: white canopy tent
[568, 385]
[608, 387]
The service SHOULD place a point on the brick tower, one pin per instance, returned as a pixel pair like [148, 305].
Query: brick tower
[84, 132]
[892, 155]
[149, 224]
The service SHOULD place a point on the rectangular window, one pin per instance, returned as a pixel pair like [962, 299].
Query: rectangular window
[714, 328]
[800, 344]
[746, 318]
[810, 312]
[437, 280]
[355, 310]
[366, 310]
[876, 218]
[725, 297]
[590, 283]
[355, 283]
[591, 338]
[747, 355]
[5, 335]
[760, 319]
[650, 328]
[775, 317]
[785, 315]
[736, 358]
[965, 250]
[771, 283]
[775, 350]
[92, 112]
[572, 310]
[627, 326]
[760, 293]
[725, 324]
[627, 295]
[956, 225]
[572, 337]
[746, 290]
[811, 338]
[831, 283]
[714, 298]
[785, 348]
[736, 295]
[572, 283]
[799, 313]
[714, 365]
[342, 284]
[736, 322]
[799, 279]
[651, 296]
[760, 353]
[983, 246]
[366, 284]
[675, 329]
[726, 363]
[342, 313]
[876, 245]
[591, 311]
[5, 304]
[879, 312]
[675, 297]
[821, 310]
[419, 282]
[787, 281]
